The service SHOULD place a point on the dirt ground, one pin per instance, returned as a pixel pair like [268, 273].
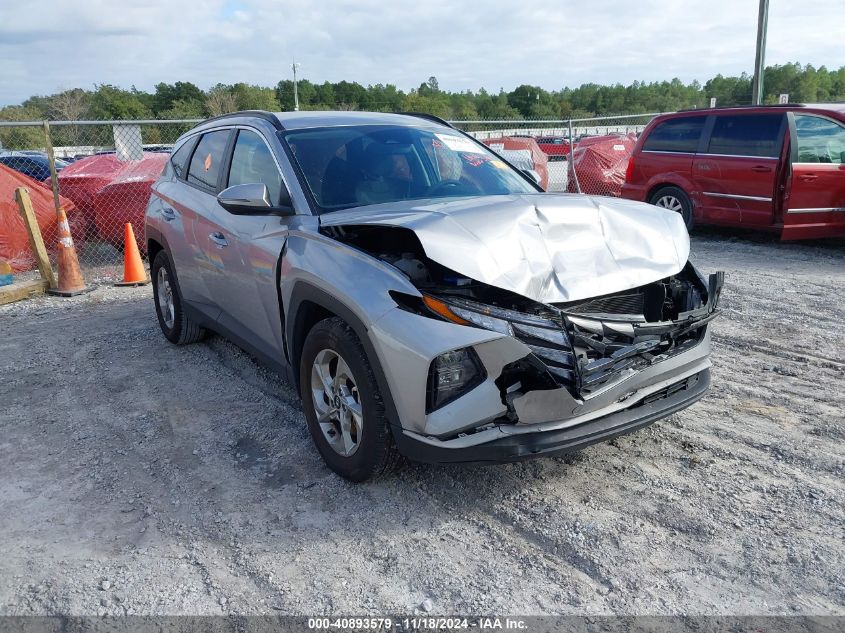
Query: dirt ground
[143, 478]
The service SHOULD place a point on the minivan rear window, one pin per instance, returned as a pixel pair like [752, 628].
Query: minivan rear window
[747, 135]
[675, 135]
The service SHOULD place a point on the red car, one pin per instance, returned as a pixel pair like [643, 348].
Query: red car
[557, 148]
[776, 168]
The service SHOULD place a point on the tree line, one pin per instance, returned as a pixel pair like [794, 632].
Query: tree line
[185, 100]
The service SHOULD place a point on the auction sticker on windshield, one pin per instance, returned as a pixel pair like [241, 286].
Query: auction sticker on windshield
[459, 144]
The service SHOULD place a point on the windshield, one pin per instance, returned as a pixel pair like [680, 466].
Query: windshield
[352, 166]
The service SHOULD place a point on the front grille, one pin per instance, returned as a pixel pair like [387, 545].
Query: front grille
[590, 353]
[616, 304]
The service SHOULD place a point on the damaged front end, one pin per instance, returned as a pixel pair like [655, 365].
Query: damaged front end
[589, 347]
[581, 358]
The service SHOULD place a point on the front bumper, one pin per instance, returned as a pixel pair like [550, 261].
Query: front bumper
[515, 447]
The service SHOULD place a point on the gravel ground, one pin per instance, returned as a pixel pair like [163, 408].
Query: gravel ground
[143, 478]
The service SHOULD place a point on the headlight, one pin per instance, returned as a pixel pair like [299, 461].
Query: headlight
[483, 320]
[451, 375]
[489, 317]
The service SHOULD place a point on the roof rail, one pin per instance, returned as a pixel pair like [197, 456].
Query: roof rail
[746, 105]
[260, 114]
[429, 117]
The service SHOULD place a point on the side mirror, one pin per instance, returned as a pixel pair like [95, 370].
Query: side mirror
[252, 199]
[533, 175]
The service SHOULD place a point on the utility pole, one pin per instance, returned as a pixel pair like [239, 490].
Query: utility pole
[760, 58]
[294, 66]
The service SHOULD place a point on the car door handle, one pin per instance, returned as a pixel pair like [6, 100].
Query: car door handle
[807, 177]
[168, 214]
[761, 168]
[219, 239]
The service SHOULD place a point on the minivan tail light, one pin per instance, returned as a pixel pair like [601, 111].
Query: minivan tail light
[629, 170]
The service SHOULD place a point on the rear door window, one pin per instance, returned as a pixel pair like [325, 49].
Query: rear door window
[747, 135]
[819, 140]
[676, 135]
[205, 164]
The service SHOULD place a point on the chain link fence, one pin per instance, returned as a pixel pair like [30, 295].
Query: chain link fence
[601, 148]
[104, 171]
[101, 173]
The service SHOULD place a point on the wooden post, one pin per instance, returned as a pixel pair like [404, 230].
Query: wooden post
[36, 241]
[22, 290]
[51, 158]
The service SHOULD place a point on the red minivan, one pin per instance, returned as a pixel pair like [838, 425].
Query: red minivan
[778, 168]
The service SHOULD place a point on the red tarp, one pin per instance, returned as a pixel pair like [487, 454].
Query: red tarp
[79, 181]
[14, 239]
[109, 192]
[522, 153]
[600, 164]
[125, 198]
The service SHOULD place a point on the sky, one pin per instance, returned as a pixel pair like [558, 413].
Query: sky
[50, 45]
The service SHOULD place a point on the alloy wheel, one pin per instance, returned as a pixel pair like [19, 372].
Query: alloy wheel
[166, 305]
[337, 402]
[670, 202]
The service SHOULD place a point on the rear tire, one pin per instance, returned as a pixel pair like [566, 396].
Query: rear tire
[342, 403]
[174, 323]
[674, 199]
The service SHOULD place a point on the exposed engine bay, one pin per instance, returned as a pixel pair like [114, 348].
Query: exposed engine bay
[585, 346]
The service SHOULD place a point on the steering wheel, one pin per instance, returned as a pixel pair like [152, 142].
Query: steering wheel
[446, 185]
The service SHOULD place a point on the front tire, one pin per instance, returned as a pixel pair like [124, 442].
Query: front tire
[342, 403]
[674, 199]
[176, 326]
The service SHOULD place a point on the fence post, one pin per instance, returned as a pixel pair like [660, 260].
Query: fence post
[51, 157]
[572, 157]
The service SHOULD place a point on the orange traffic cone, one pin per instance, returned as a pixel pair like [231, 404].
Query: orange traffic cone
[134, 273]
[70, 276]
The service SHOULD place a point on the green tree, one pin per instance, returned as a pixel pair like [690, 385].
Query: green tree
[430, 104]
[184, 109]
[220, 100]
[29, 137]
[112, 103]
[183, 91]
[249, 97]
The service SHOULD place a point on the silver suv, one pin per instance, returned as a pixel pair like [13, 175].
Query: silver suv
[427, 298]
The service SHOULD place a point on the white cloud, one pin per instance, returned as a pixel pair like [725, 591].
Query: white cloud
[52, 44]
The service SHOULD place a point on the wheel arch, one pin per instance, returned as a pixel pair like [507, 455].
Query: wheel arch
[308, 305]
[665, 182]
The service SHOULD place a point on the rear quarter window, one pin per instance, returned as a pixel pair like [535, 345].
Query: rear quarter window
[680, 134]
[205, 163]
[179, 159]
[747, 135]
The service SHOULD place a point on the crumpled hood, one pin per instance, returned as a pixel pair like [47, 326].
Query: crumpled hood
[547, 247]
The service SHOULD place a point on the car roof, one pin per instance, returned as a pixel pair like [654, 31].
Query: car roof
[837, 108]
[302, 120]
[314, 119]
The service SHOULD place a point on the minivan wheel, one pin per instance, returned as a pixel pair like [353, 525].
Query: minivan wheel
[674, 199]
[174, 323]
[342, 403]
